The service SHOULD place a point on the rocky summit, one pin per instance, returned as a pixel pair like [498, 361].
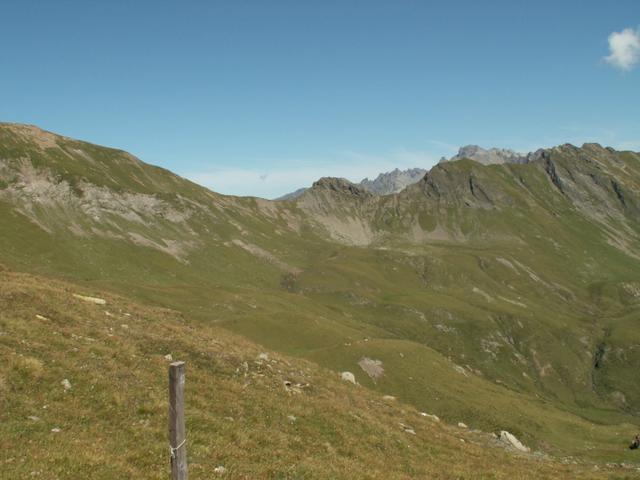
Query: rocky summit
[487, 156]
[383, 184]
[397, 180]
[394, 181]
[501, 297]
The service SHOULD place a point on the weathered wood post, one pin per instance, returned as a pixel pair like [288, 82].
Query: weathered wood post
[177, 434]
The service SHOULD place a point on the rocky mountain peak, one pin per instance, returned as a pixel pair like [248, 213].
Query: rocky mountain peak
[384, 184]
[339, 185]
[394, 181]
[488, 156]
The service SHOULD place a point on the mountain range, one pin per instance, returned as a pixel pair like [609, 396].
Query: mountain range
[499, 292]
[488, 156]
[396, 180]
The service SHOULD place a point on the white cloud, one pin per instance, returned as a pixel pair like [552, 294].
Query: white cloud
[625, 49]
[274, 182]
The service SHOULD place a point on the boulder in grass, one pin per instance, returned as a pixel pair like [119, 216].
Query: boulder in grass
[96, 300]
[435, 418]
[511, 440]
[348, 377]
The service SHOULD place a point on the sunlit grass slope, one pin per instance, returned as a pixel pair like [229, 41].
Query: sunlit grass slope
[111, 422]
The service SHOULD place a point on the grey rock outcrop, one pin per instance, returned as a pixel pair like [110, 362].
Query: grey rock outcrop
[394, 181]
[512, 441]
[384, 184]
[488, 156]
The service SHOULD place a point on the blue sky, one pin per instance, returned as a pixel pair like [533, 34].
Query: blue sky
[262, 97]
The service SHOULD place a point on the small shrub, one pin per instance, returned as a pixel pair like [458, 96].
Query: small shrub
[28, 368]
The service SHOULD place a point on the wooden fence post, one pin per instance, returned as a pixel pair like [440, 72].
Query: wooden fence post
[177, 434]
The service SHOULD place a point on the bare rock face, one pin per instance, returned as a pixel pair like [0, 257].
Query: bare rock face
[488, 156]
[394, 181]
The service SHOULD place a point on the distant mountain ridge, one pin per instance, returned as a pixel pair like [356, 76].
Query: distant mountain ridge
[397, 180]
[394, 181]
[489, 156]
[384, 184]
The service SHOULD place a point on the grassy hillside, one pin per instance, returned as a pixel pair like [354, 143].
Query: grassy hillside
[111, 422]
[502, 296]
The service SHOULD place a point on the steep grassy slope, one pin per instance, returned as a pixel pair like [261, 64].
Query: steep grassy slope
[111, 421]
[503, 296]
